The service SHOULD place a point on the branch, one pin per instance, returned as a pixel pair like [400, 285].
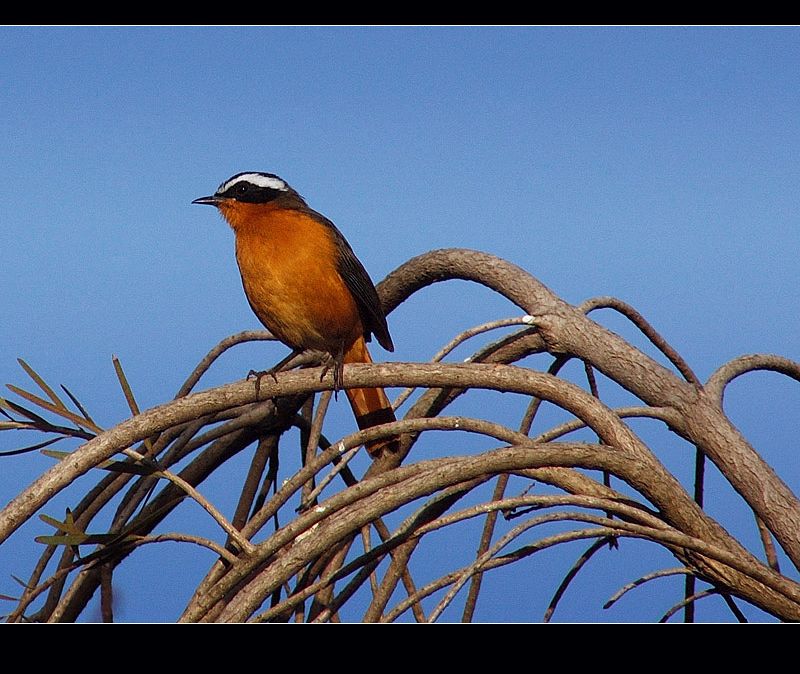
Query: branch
[565, 329]
[347, 511]
[719, 380]
[648, 330]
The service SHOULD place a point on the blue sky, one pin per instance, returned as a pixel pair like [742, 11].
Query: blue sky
[659, 165]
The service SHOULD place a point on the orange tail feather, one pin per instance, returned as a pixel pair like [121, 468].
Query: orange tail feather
[370, 406]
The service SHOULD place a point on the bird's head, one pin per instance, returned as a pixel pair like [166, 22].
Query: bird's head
[245, 191]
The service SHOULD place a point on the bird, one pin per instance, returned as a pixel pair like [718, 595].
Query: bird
[305, 284]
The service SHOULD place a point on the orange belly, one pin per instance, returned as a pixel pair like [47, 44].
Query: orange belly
[288, 265]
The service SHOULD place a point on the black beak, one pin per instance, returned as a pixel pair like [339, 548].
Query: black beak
[211, 201]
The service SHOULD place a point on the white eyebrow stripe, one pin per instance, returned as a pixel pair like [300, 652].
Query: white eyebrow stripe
[259, 179]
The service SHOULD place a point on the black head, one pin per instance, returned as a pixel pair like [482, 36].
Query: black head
[249, 187]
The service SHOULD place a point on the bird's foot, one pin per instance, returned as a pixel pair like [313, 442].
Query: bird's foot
[258, 375]
[338, 369]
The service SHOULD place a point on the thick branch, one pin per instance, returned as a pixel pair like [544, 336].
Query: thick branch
[565, 329]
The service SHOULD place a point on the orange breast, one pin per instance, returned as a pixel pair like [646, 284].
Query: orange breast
[287, 260]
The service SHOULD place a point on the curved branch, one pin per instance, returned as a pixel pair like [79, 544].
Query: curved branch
[216, 352]
[460, 339]
[688, 600]
[587, 554]
[649, 476]
[750, 363]
[565, 329]
[663, 573]
[348, 511]
[647, 330]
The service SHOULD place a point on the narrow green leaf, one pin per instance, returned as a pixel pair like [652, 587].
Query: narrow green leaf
[68, 526]
[24, 411]
[126, 387]
[55, 454]
[67, 539]
[127, 467]
[77, 404]
[129, 397]
[19, 581]
[77, 539]
[31, 448]
[108, 464]
[52, 521]
[42, 384]
[36, 400]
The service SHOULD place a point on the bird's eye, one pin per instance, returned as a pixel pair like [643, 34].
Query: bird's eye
[242, 189]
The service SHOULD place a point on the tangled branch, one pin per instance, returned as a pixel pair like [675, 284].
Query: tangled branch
[311, 539]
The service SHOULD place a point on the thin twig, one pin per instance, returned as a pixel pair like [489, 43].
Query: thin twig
[769, 546]
[689, 583]
[312, 442]
[243, 544]
[217, 549]
[366, 542]
[494, 563]
[252, 480]
[216, 352]
[408, 581]
[398, 568]
[270, 479]
[648, 330]
[309, 499]
[106, 593]
[460, 338]
[734, 608]
[599, 544]
[483, 546]
[659, 413]
[504, 540]
[688, 600]
[527, 421]
[502, 481]
[663, 573]
[32, 592]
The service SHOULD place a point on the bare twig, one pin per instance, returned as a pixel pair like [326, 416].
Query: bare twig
[190, 491]
[483, 546]
[687, 600]
[648, 330]
[311, 442]
[216, 352]
[769, 547]
[662, 573]
[312, 544]
[254, 474]
[460, 339]
[598, 545]
[751, 363]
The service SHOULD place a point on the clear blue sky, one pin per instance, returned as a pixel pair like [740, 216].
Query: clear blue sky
[659, 165]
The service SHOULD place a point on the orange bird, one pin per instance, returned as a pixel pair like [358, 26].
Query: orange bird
[305, 284]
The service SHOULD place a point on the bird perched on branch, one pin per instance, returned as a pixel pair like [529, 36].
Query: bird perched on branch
[305, 284]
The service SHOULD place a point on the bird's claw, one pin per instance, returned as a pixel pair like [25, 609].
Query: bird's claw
[258, 374]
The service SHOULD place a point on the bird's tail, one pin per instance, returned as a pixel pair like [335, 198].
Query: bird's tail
[370, 406]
